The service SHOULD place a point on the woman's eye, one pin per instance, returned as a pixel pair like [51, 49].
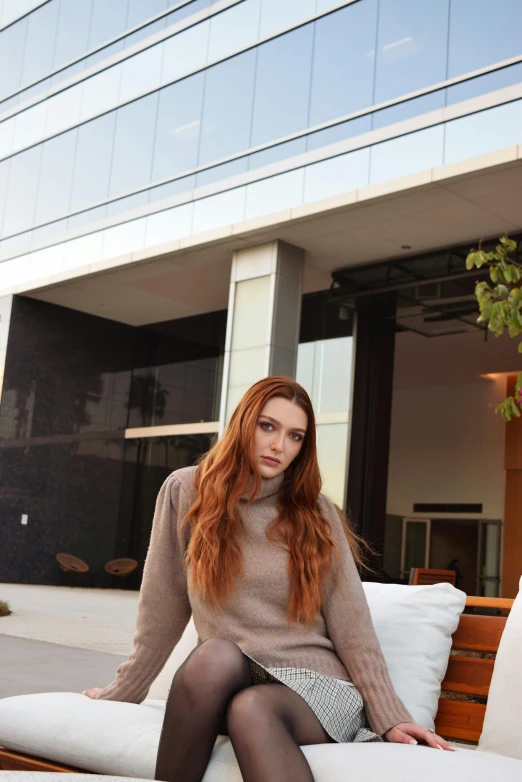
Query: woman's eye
[296, 437]
[266, 426]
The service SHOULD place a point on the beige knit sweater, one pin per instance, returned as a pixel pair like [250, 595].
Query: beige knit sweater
[342, 642]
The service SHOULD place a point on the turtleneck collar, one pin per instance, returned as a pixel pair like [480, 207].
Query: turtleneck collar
[269, 487]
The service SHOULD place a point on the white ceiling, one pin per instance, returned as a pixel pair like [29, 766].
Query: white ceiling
[421, 211]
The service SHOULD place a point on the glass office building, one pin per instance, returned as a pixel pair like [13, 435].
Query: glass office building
[179, 181]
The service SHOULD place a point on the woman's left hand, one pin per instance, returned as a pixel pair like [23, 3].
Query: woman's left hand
[411, 733]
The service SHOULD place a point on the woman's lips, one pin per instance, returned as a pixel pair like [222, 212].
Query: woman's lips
[270, 461]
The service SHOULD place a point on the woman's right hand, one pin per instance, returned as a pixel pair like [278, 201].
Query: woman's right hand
[92, 693]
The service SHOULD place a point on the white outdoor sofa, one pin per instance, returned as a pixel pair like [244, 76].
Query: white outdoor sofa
[417, 628]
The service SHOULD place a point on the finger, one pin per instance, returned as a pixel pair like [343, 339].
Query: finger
[443, 743]
[431, 739]
[403, 738]
[92, 692]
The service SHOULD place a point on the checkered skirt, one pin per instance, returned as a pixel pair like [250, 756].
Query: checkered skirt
[338, 706]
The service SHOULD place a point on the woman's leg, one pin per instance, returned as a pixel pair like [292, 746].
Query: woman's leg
[266, 725]
[201, 691]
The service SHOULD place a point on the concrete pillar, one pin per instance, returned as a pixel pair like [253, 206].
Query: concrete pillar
[6, 303]
[264, 312]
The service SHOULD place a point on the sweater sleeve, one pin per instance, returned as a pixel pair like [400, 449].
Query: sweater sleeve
[163, 607]
[351, 631]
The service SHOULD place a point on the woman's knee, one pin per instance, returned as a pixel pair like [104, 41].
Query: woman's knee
[250, 712]
[216, 663]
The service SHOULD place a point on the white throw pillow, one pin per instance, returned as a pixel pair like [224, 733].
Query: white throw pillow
[502, 731]
[414, 625]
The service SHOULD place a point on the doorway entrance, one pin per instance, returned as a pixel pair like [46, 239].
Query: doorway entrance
[435, 543]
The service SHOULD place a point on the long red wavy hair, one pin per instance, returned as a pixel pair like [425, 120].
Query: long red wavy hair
[228, 472]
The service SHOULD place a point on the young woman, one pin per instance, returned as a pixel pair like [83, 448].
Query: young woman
[287, 654]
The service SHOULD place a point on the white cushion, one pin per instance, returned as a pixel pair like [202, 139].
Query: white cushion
[121, 739]
[414, 625]
[502, 731]
[187, 642]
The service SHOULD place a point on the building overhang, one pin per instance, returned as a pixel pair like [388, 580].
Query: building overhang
[437, 208]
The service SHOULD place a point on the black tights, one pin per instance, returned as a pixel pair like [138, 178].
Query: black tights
[211, 694]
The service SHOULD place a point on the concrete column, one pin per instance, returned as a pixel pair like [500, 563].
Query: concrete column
[6, 303]
[264, 311]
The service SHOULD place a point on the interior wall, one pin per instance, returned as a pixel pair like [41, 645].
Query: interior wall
[456, 540]
[447, 443]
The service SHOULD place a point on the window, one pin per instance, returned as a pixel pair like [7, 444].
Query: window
[227, 110]
[133, 145]
[411, 46]
[492, 29]
[23, 187]
[93, 161]
[55, 180]
[73, 31]
[343, 67]
[282, 85]
[178, 129]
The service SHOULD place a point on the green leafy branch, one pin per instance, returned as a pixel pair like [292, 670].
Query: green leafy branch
[500, 304]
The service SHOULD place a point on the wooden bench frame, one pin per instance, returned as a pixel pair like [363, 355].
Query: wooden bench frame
[466, 675]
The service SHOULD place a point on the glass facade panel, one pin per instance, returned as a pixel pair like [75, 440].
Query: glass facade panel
[407, 154]
[140, 74]
[93, 162]
[56, 177]
[343, 66]
[123, 239]
[485, 132]
[133, 145]
[99, 93]
[332, 452]
[276, 15]
[412, 46]
[324, 369]
[184, 53]
[169, 225]
[61, 108]
[344, 130]
[219, 210]
[227, 110]
[337, 175]
[492, 27]
[234, 29]
[178, 128]
[274, 194]
[73, 31]
[39, 43]
[23, 187]
[7, 129]
[282, 94]
[141, 10]
[12, 47]
[505, 77]
[29, 126]
[107, 20]
[409, 109]
[4, 181]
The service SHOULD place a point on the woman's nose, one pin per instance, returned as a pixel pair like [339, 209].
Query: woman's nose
[277, 443]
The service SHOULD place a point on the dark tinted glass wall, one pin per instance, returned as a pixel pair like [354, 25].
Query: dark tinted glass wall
[67, 396]
[147, 464]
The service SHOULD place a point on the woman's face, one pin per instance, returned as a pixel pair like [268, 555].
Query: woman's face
[279, 436]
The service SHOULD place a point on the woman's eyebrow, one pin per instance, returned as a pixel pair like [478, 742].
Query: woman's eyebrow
[275, 421]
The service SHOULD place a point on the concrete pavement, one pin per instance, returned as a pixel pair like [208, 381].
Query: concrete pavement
[63, 639]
